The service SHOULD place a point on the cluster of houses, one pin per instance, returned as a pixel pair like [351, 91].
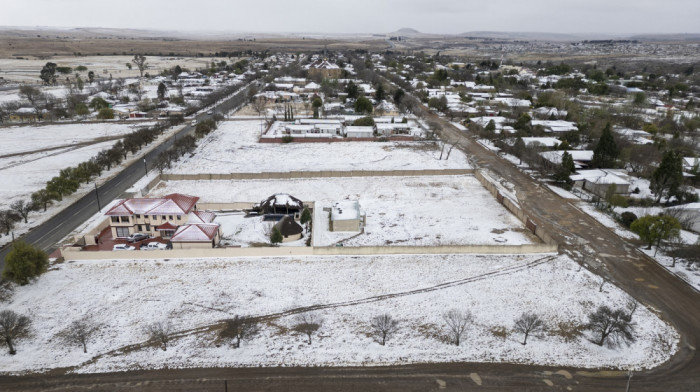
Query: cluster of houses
[341, 127]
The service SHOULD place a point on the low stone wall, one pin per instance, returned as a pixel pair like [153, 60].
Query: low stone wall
[341, 140]
[514, 208]
[309, 174]
[74, 253]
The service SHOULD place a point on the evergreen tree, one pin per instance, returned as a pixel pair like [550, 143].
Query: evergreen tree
[667, 179]
[305, 216]
[379, 93]
[605, 151]
[564, 171]
[276, 236]
[24, 262]
[352, 90]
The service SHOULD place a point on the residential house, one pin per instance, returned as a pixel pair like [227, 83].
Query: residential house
[356, 131]
[153, 216]
[601, 181]
[277, 206]
[324, 68]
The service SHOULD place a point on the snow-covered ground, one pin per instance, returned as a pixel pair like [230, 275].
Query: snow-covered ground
[239, 230]
[23, 174]
[430, 211]
[234, 148]
[124, 296]
[36, 137]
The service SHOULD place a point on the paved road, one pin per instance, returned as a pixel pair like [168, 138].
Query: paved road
[618, 260]
[46, 235]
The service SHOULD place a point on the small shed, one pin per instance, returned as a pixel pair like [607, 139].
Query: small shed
[290, 229]
[347, 216]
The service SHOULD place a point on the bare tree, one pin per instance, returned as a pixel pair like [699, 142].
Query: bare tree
[140, 62]
[456, 324]
[7, 220]
[529, 323]
[383, 326]
[611, 327]
[13, 326]
[80, 332]
[23, 208]
[34, 96]
[159, 332]
[307, 324]
[240, 328]
[259, 104]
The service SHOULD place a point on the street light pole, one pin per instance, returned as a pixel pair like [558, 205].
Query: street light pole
[97, 195]
[145, 165]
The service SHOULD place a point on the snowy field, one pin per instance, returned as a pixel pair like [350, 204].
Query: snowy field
[234, 148]
[32, 138]
[23, 174]
[124, 296]
[430, 211]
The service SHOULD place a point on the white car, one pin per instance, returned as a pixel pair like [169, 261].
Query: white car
[154, 246]
[123, 247]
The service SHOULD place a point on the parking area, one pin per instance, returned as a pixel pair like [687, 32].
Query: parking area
[105, 241]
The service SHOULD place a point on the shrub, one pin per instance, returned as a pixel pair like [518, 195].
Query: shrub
[364, 122]
[24, 262]
[105, 114]
[619, 201]
[287, 139]
[626, 218]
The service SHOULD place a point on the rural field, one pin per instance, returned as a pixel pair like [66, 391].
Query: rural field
[124, 296]
[234, 148]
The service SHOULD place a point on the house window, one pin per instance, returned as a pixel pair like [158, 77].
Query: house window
[122, 231]
[179, 217]
[162, 217]
[138, 227]
[167, 233]
[125, 219]
[115, 219]
[155, 217]
[148, 227]
[138, 216]
[170, 217]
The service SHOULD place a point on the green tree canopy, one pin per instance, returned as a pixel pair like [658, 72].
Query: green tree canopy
[605, 152]
[305, 216]
[655, 228]
[105, 114]
[363, 105]
[276, 236]
[667, 179]
[352, 90]
[24, 262]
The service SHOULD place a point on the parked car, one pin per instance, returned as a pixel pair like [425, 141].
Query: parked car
[123, 247]
[194, 122]
[210, 112]
[136, 237]
[154, 246]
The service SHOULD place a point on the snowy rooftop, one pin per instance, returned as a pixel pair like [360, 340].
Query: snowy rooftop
[345, 210]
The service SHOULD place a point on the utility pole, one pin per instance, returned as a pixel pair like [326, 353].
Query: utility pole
[97, 195]
[145, 165]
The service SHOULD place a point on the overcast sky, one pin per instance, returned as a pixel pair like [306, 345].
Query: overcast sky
[362, 16]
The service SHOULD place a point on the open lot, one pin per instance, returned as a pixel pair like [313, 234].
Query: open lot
[429, 211]
[124, 296]
[234, 148]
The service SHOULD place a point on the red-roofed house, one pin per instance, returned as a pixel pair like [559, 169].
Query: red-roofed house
[196, 235]
[155, 217]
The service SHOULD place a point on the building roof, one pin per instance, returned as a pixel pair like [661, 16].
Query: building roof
[321, 64]
[287, 226]
[345, 210]
[281, 200]
[198, 232]
[172, 204]
[196, 217]
[599, 176]
[166, 226]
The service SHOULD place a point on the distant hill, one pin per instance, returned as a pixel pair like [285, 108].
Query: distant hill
[407, 31]
[666, 37]
[526, 36]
